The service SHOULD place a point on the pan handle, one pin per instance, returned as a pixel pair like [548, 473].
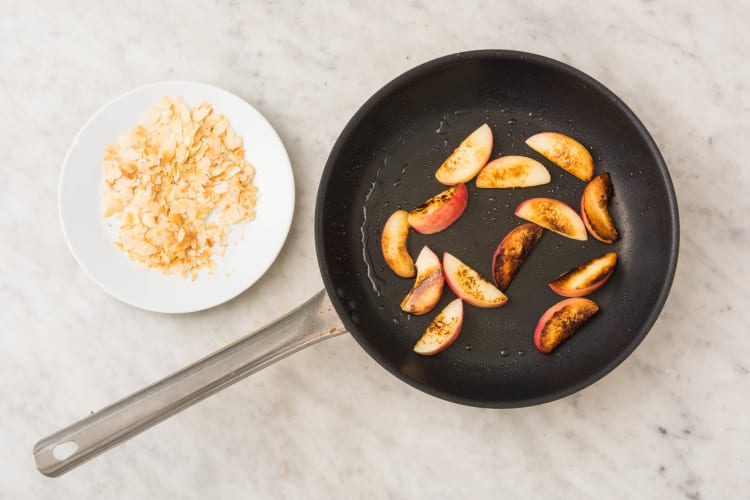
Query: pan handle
[311, 322]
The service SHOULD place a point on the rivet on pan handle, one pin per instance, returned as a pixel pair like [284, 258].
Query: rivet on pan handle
[309, 323]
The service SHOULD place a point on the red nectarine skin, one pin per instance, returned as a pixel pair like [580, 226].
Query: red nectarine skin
[594, 203]
[561, 321]
[440, 211]
[512, 252]
[584, 279]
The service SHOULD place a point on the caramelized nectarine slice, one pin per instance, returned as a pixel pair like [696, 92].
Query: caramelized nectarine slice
[512, 252]
[468, 158]
[443, 330]
[594, 204]
[561, 321]
[512, 172]
[440, 211]
[469, 286]
[393, 244]
[565, 152]
[584, 279]
[428, 287]
[553, 215]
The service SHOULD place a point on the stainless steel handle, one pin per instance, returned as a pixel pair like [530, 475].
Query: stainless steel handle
[309, 323]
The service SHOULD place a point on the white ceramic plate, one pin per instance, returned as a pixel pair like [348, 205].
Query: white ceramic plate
[253, 246]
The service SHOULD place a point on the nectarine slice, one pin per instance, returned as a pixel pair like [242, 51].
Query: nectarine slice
[594, 203]
[553, 215]
[512, 172]
[443, 330]
[561, 321]
[512, 252]
[428, 287]
[565, 152]
[393, 244]
[440, 211]
[468, 158]
[584, 279]
[469, 286]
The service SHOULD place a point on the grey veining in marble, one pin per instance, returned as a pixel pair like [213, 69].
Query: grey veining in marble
[670, 422]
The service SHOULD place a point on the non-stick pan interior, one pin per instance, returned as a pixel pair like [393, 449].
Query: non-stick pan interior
[385, 159]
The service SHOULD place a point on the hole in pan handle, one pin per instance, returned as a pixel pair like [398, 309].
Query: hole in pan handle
[311, 322]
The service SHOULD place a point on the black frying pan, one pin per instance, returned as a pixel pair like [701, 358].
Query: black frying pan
[385, 159]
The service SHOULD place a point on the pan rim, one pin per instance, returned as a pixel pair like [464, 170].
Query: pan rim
[510, 55]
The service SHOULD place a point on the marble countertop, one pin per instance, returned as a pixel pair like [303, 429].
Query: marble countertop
[670, 422]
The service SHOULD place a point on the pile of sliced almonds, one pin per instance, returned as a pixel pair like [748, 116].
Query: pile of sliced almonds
[167, 176]
[470, 160]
